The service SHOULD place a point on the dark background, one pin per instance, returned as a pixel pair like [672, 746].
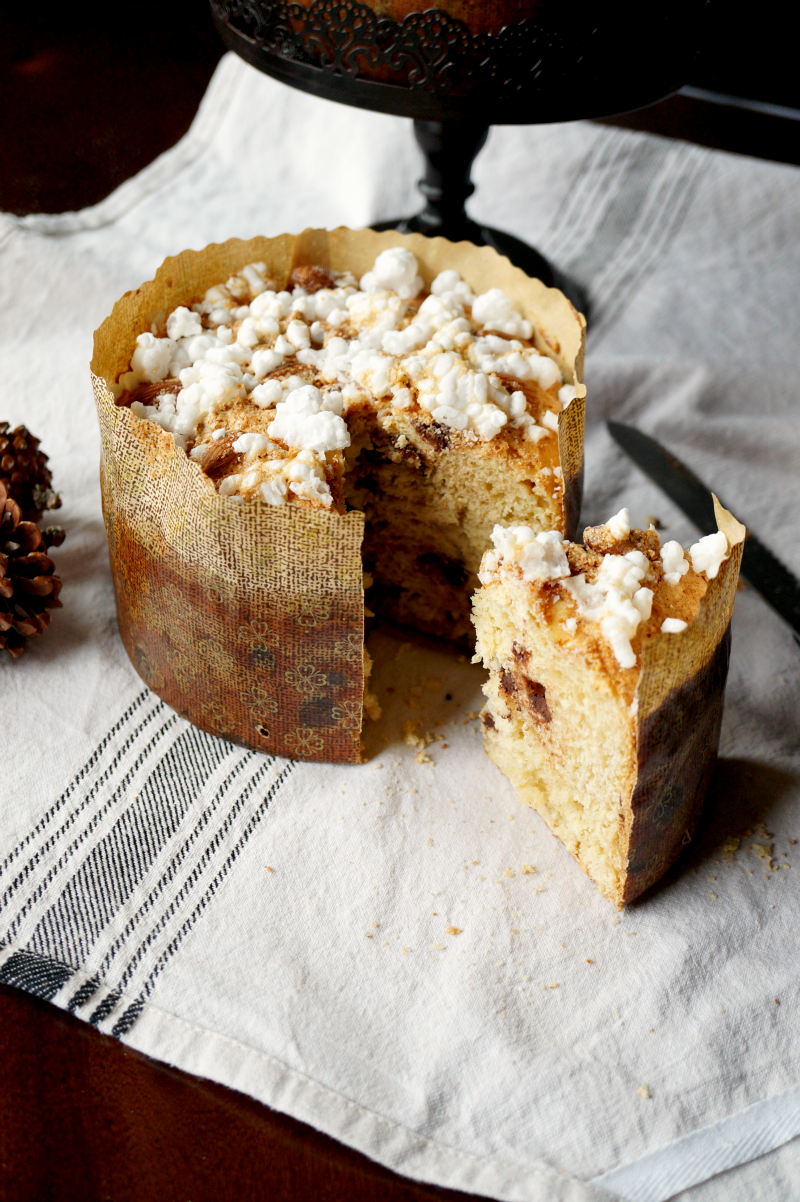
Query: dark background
[90, 93]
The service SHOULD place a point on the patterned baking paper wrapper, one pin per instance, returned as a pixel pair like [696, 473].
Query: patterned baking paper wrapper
[680, 693]
[249, 619]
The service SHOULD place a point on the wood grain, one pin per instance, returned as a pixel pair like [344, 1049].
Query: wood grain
[85, 1119]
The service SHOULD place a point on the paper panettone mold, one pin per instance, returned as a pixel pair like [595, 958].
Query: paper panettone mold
[680, 697]
[607, 670]
[249, 619]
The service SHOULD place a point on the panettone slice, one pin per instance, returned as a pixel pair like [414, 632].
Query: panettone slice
[607, 666]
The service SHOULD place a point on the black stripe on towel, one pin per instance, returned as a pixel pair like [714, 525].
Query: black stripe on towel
[130, 1015]
[36, 974]
[84, 772]
[115, 866]
[98, 811]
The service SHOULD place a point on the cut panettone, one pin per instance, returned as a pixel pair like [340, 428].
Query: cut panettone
[431, 410]
[607, 667]
[347, 406]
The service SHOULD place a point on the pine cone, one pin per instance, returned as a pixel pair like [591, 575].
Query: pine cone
[24, 471]
[28, 585]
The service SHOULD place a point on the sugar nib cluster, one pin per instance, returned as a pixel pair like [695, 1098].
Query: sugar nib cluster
[29, 587]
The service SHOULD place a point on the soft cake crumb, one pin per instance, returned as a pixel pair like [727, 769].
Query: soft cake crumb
[730, 847]
[414, 736]
[764, 851]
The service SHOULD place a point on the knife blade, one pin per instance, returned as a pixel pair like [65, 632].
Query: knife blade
[760, 567]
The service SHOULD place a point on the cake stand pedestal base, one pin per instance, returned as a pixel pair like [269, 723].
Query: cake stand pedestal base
[450, 148]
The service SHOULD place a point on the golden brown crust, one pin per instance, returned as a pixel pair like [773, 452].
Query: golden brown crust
[670, 701]
[602, 540]
[583, 559]
[554, 605]
[542, 456]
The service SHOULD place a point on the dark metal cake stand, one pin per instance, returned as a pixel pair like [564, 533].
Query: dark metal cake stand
[456, 78]
[450, 149]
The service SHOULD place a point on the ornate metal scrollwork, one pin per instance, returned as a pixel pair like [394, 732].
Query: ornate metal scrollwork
[428, 50]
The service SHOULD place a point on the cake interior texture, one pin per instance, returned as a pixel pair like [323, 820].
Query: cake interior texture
[563, 634]
[558, 729]
[430, 502]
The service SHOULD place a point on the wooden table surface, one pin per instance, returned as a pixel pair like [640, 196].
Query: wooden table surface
[87, 101]
[85, 1119]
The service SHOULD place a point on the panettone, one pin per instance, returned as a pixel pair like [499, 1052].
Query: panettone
[607, 665]
[280, 415]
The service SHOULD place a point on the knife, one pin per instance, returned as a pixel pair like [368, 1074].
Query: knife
[768, 576]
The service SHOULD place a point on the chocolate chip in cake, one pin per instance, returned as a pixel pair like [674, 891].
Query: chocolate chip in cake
[434, 433]
[536, 699]
[507, 682]
[520, 654]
